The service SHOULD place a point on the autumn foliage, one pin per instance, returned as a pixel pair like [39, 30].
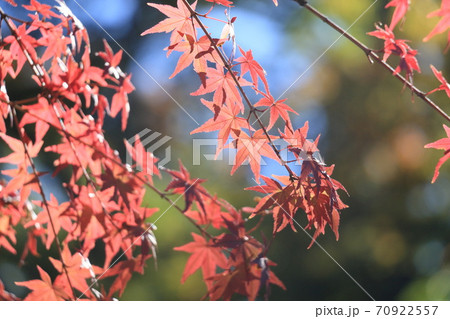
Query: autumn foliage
[105, 206]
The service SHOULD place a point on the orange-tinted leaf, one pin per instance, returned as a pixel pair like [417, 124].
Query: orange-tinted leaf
[225, 90]
[76, 269]
[124, 271]
[248, 64]
[252, 148]
[179, 21]
[205, 255]
[18, 156]
[277, 109]
[212, 214]
[226, 121]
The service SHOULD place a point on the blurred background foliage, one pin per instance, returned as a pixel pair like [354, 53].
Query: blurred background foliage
[395, 234]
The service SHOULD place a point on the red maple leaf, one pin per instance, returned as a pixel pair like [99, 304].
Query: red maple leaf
[277, 109]
[86, 137]
[401, 7]
[399, 47]
[445, 86]
[6, 68]
[112, 60]
[55, 42]
[225, 120]
[317, 191]
[248, 64]
[179, 21]
[296, 138]
[442, 144]
[321, 201]
[246, 277]
[211, 216]
[225, 3]
[251, 148]
[120, 100]
[57, 212]
[26, 41]
[43, 9]
[42, 115]
[443, 25]
[44, 290]
[241, 243]
[124, 271]
[19, 156]
[223, 86]
[190, 188]
[196, 52]
[145, 161]
[7, 233]
[205, 255]
[78, 270]
[283, 199]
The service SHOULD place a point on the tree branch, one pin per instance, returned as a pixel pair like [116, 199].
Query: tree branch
[374, 57]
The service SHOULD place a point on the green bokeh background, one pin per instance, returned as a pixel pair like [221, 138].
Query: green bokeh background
[394, 237]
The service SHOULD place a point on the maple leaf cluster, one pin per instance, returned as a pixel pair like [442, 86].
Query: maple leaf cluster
[232, 262]
[104, 196]
[408, 61]
[399, 47]
[104, 207]
[225, 79]
[308, 186]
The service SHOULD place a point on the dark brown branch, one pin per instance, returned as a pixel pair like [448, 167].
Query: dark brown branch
[374, 57]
